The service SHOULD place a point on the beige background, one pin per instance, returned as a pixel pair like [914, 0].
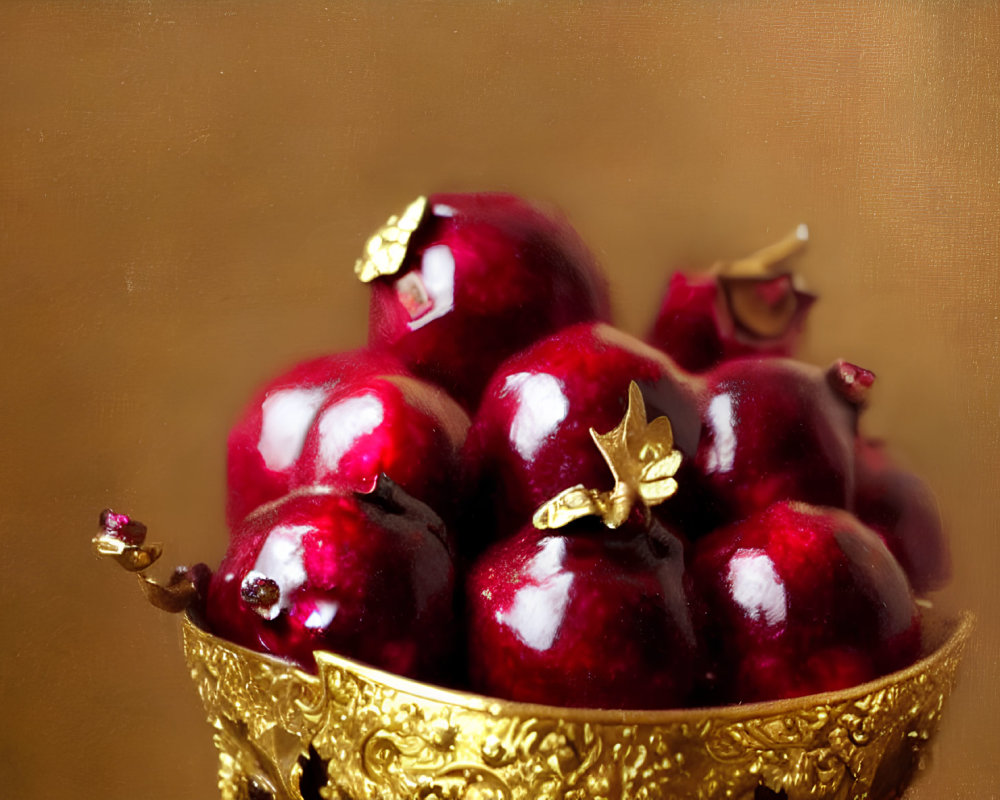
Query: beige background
[184, 188]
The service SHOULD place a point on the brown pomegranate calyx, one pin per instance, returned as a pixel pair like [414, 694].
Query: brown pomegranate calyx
[763, 300]
[259, 591]
[643, 461]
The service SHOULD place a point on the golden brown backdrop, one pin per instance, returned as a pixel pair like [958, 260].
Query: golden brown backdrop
[184, 188]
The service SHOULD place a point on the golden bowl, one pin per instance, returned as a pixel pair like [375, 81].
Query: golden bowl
[352, 732]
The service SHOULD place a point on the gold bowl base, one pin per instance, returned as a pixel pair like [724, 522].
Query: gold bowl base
[352, 732]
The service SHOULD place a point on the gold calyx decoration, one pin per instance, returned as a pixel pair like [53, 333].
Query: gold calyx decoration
[762, 298]
[174, 596]
[643, 461]
[386, 249]
[134, 555]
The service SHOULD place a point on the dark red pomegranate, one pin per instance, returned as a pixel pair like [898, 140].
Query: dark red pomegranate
[583, 616]
[776, 429]
[900, 507]
[366, 576]
[801, 600]
[389, 424]
[462, 281]
[265, 443]
[531, 437]
[340, 422]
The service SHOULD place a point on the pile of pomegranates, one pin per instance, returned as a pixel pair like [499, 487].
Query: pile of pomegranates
[505, 493]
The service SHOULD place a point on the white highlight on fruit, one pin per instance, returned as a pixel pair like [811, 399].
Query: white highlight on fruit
[720, 418]
[756, 587]
[285, 419]
[280, 559]
[442, 210]
[343, 423]
[322, 615]
[538, 610]
[437, 268]
[541, 406]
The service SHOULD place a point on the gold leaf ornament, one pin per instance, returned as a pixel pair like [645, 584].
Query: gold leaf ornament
[643, 461]
[132, 557]
[174, 596]
[570, 504]
[386, 249]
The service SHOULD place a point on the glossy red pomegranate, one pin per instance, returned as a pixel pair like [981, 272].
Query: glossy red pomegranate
[800, 600]
[776, 429]
[531, 437]
[583, 616]
[265, 443]
[390, 424]
[366, 576]
[466, 280]
[340, 422]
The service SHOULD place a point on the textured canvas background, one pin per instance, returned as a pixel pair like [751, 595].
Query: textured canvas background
[184, 188]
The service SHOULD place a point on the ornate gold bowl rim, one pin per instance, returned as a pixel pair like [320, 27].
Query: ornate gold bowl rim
[380, 735]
